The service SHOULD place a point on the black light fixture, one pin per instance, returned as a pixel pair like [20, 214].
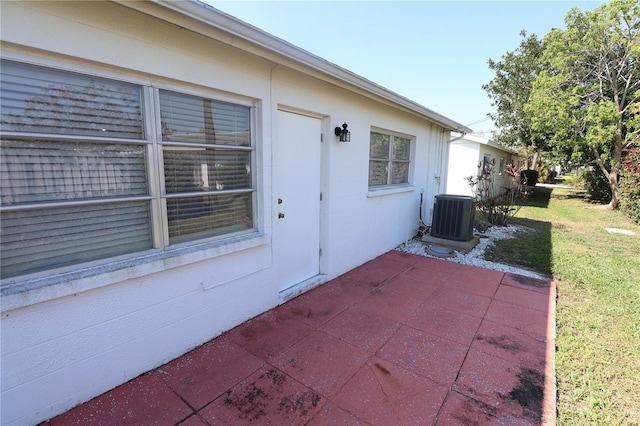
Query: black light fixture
[343, 134]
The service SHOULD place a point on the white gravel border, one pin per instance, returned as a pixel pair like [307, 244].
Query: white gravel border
[475, 256]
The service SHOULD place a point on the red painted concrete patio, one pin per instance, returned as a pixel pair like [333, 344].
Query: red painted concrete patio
[401, 340]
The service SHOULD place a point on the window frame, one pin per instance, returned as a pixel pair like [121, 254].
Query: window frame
[160, 248]
[390, 160]
[163, 236]
[486, 161]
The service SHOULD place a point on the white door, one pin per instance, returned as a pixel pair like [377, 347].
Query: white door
[297, 198]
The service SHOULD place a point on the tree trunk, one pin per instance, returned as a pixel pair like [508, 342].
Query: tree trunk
[526, 158]
[612, 177]
[617, 163]
[615, 190]
[534, 161]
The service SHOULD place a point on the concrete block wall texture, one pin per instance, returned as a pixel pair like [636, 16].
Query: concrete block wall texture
[66, 343]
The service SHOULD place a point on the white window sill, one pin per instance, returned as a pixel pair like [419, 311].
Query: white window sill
[389, 190]
[21, 293]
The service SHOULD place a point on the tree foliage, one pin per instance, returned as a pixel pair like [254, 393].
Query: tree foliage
[576, 94]
[587, 97]
[510, 89]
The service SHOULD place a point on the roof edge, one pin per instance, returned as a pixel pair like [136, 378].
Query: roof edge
[212, 17]
[483, 141]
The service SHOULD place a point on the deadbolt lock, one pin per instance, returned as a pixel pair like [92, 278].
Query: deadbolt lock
[279, 200]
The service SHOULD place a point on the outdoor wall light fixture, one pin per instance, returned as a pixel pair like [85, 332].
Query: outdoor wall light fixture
[343, 134]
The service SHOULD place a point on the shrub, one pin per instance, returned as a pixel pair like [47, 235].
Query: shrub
[497, 204]
[574, 179]
[630, 185]
[597, 186]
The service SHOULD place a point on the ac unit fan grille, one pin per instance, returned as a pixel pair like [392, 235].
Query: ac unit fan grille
[453, 217]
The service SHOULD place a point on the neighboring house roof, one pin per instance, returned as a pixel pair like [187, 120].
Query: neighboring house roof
[482, 141]
[208, 21]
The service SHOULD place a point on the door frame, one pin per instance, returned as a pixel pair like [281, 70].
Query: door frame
[318, 279]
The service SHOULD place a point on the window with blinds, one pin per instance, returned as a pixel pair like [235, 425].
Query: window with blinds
[207, 166]
[75, 169]
[389, 159]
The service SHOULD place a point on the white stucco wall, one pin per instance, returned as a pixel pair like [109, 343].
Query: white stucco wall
[501, 179]
[84, 334]
[466, 154]
[464, 158]
[354, 210]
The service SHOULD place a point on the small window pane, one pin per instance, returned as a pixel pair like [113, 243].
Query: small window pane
[41, 171]
[401, 148]
[379, 147]
[399, 173]
[200, 169]
[193, 218]
[389, 159]
[192, 119]
[40, 100]
[231, 123]
[378, 173]
[37, 240]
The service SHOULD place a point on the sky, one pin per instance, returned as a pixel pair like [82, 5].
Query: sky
[432, 52]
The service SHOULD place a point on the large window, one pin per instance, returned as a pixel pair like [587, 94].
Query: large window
[389, 159]
[87, 173]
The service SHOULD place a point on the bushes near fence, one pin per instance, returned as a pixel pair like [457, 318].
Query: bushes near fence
[630, 185]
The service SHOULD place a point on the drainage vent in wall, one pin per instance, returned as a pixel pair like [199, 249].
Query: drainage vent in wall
[439, 251]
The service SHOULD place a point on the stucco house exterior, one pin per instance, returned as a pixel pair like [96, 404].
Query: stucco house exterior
[467, 155]
[169, 172]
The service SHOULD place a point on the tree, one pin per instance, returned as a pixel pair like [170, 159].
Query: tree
[588, 95]
[510, 89]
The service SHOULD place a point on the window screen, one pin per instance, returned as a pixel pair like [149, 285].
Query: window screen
[76, 169]
[41, 100]
[67, 181]
[207, 154]
[389, 159]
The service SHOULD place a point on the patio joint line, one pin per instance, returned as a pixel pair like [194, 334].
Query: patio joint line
[444, 403]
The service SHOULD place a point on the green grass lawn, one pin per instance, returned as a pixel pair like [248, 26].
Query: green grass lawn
[598, 309]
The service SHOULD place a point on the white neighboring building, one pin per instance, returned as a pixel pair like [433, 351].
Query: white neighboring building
[467, 154]
[169, 172]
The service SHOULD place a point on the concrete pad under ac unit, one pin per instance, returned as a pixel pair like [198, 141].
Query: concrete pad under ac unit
[463, 246]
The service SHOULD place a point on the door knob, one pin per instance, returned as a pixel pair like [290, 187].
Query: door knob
[280, 215]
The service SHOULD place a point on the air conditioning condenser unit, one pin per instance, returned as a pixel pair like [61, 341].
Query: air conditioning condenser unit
[453, 217]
